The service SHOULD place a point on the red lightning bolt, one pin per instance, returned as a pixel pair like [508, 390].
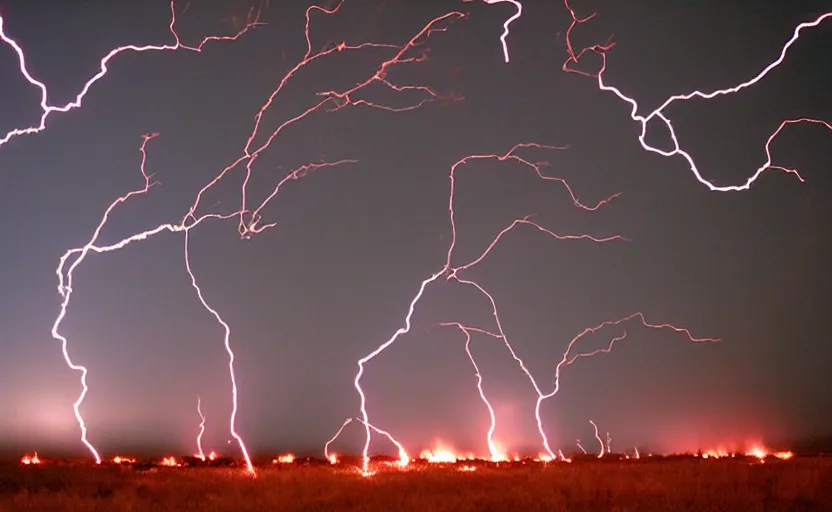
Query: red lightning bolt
[452, 272]
[65, 276]
[496, 454]
[200, 453]
[404, 458]
[598, 438]
[659, 113]
[47, 109]
[227, 344]
[65, 289]
[248, 220]
[331, 101]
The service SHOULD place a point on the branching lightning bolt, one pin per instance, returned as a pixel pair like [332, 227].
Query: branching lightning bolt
[452, 273]
[65, 277]
[601, 50]
[65, 289]
[496, 454]
[404, 458]
[227, 344]
[248, 220]
[47, 109]
[251, 221]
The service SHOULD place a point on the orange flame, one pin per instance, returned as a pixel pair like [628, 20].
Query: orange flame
[284, 459]
[171, 462]
[755, 450]
[27, 460]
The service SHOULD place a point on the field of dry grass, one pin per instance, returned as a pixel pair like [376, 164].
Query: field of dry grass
[662, 485]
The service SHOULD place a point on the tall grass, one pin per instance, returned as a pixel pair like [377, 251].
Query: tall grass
[679, 485]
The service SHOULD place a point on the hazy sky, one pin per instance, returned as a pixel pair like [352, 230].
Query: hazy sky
[334, 278]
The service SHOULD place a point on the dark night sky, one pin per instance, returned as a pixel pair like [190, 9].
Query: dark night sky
[333, 280]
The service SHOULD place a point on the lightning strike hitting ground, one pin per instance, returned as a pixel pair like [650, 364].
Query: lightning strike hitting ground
[598, 438]
[200, 454]
[47, 109]
[496, 454]
[404, 458]
[332, 101]
[65, 278]
[65, 289]
[452, 273]
[601, 50]
[251, 221]
[227, 344]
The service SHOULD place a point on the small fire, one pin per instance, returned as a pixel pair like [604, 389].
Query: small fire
[544, 457]
[203, 458]
[757, 451]
[439, 455]
[284, 459]
[467, 468]
[761, 453]
[333, 458]
[719, 453]
[171, 462]
[27, 460]
[123, 460]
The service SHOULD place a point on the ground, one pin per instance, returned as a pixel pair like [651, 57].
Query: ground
[666, 485]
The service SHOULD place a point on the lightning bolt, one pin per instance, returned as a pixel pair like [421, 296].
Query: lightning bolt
[227, 344]
[573, 58]
[47, 109]
[404, 458]
[598, 438]
[251, 220]
[496, 454]
[65, 279]
[65, 276]
[453, 273]
[248, 220]
[506, 30]
[200, 453]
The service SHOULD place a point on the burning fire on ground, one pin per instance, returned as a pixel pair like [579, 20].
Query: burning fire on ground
[464, 462]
